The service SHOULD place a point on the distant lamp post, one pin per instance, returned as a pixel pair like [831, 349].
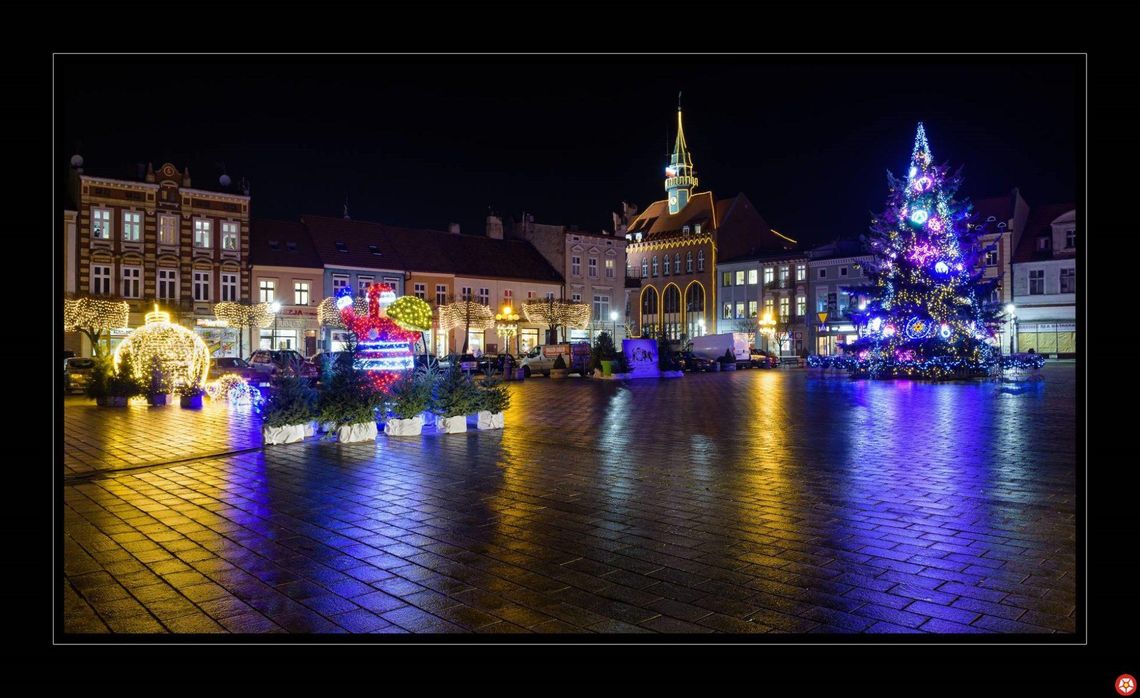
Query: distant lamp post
[275, 308]
[1011, 313]
[613, 319]
[767, 328]
[506, 325]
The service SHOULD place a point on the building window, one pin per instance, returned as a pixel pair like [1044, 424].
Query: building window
[340, 282]
[267, 290]
[843, 271]
[783, 277]
[132, 227]
[1069, 280]
[727, 311]
[995, 295]
[1070, 239]
[726, 278]
[593, 267]
[644, 268]
[485, 296]
[991, 258]
[167, 284]
[801, 305]
[752, 308]
[229, 287]
[689, 262]
[203, 231]
[801, 272]
[740, 278]
[609, 268]
[101, 280]
[740, 309]
[784, 309]
[441, 294]
[201, 285]
[1037, 282]
[700, 260]
[576, 266]
[769, 275]
[685, 229]
[768, 306]
[549, 295]
[677, 263]
[466, 293]
[753, 276]
[394, 283]
[823, 273]
[101, 223]
[655, 265]
[666, 265]
[821, 300]
[420, 291]
[508, 296]
[363, 283]
[167, 230]
[698, 228]
[601, 309]
[131, 278]
[229, 235]
[576, 297]
[301, 293]
[530, 295]
[1043, 243]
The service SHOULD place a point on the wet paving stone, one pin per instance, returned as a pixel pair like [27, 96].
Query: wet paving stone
[785, 501]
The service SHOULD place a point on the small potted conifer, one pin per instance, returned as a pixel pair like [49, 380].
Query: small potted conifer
[494, 399]
[190, 396]
[349, 402]
[289, 410]
[158, 387]
[411, 395]
[559, 369]
[453, 397]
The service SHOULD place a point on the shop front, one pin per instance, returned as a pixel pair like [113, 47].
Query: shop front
[220, 338]
[295, 328]
[831, 338]
[1053, 339]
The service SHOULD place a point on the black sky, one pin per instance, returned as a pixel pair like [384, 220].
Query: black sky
[422, 141]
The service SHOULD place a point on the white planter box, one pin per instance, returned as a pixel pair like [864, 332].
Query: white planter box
[363, 431]
[311, 429]
[290, 433]
[451, 425]
[404, 427]
[490, 420]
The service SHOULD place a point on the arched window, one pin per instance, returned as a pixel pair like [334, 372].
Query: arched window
[689, 262]
[671, 312]
[644, 267]
[655, 265]
[700, 260]
[649, 312]
[695, 310]
[666, 271]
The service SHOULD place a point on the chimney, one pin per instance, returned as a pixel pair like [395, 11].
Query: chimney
[453, 228]
[150, 172]
[494, 227]
[186, 177]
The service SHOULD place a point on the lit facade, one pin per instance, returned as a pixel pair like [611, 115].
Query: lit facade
[832, 270]
[286, 269]
[1045, 283]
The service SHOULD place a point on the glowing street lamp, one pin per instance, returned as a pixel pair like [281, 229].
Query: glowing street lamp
[275, 308]
[1011, 312]
[613, 319]
[506, 325]
[767, 326]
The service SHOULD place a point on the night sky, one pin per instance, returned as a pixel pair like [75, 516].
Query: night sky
[422, 141]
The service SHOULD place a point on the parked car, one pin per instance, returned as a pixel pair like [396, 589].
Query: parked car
[763, 359]
[468, 362]
[688, 361]
[267, 363]
[223, 365]
[77, 373]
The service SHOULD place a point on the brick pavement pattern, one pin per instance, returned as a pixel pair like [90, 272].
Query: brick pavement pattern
[784, 501]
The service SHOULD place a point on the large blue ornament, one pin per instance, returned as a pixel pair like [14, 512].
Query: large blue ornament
[918, 327]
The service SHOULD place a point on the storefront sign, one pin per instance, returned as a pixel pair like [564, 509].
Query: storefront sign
[204, 322]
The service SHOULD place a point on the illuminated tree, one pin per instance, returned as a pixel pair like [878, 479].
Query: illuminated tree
[927, 314]
[243, 316]
[557, 313]
[94, 317]
[413, 314]
[466, 314]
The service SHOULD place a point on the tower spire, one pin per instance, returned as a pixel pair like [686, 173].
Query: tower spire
[680, 177]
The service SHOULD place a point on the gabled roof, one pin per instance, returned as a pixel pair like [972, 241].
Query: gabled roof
[1000, 207]
[655, 222]
[281, 244]
[353, 243]
[1040, 223]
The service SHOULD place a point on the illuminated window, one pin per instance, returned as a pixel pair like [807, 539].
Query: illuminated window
[784, 309]
[203, 232]
[727, 311]
[740, 309]
[768, 307]
[201, 285]
[229, 235]
[769, 275]
[698, 227]
[229, 287]
[420, 291]
[801, 305]
[726, 278]
[801, 272]
[167, 284]
[609, 268]
[267, 290]
[753, 276]
[508, 296]
[752, 308]
[101, 223]
[101, 280]
[132, 226]
[783, 277]
[301, 293]
[167, 230]
[131, 278]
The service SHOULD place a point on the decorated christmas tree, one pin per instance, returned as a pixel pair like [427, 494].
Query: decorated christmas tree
[928, 312]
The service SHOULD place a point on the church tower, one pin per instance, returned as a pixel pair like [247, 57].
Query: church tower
[680, 177]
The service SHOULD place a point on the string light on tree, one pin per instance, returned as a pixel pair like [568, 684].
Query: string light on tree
[93, 317]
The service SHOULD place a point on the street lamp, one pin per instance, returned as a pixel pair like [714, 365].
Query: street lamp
[1011, 311]
[274, 307]
[506, 324]
[613, 319]
[767, 327]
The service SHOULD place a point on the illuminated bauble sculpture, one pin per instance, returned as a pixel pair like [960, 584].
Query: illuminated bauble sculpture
[184, 357]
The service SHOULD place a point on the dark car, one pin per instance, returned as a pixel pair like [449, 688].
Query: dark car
[467, 362]
[763, 359]
[77, 373]
[688, 361]
[223, 365]
[267, 363]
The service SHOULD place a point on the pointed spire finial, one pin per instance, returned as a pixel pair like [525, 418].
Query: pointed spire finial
[678, 100]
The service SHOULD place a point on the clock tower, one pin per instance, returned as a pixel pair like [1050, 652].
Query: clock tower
[680, 177]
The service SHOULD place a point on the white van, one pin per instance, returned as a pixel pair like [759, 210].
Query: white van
[715, 346]
[541, 358]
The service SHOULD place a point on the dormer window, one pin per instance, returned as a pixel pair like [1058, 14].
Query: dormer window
[685, 229]
[374, 250]
[639, 237]
[291, 246]
[1043, 243]
[341, 247]
[1070, 239]
[698, 229]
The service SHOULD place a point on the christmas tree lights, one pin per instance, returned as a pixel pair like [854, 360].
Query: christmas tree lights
[182, 355]
[411, 313]
[927, 314]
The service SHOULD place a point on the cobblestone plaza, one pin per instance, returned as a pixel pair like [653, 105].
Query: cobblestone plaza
[783, 501]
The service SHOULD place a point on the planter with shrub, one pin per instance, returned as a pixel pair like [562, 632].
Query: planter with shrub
[349, 402]
[111, 386]
[158, 387]
[411, 396]
[190, 396]
[453, 397]
[494, 399]
[289, 411]
[559, 370]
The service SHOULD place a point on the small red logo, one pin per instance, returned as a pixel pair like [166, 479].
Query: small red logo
[1125, 684]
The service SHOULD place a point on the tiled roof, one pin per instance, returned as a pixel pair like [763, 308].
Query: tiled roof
[281, 244]
[655, 221]
[424, 250]
[1039, 224]
[1000, 207]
